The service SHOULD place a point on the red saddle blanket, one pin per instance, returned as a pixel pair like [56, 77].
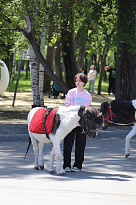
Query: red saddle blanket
[37, 123]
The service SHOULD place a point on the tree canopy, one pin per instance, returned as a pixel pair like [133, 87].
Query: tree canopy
[95, 26]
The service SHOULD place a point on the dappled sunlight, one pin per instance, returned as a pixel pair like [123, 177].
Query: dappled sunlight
[107, 155]
[23, 103]
[104, 159]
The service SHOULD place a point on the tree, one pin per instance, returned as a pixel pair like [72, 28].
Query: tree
[69, 58]
[33, 67]
[37, 19]
[68, 44]
[126, 54]
[58, 70]
[41, 68]
[95, 20]
[49, 58]
[13, 67]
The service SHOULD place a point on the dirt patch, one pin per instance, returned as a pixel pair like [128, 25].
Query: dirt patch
[23, 104]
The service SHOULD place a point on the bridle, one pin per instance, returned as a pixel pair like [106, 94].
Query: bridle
[85, 121]
[111, 115]
[111, 118]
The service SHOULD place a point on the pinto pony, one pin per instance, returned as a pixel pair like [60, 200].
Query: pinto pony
[65, 120]
[124, 109]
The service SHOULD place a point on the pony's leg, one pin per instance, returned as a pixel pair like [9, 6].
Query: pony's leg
[41, 159]
[128, 138]
[35, 148]
[57, 151]
[51, 161]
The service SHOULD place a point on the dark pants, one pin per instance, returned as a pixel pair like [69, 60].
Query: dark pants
[111, 87]
[80, 142]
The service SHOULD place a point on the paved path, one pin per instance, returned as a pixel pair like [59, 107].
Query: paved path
[107, 177]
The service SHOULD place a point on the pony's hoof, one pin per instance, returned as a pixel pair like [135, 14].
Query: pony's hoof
[127, 155]
[52, 172]
[36, 168]
[41, 167]
[62, 174]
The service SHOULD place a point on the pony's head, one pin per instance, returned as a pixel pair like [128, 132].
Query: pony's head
[87, 120]
[105, 109]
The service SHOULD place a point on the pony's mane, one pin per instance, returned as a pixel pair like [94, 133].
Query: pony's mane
[92, 110]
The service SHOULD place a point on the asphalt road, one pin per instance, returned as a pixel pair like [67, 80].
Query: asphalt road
[107, 177]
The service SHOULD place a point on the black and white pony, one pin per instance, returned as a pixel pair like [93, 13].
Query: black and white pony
[65, 120]
[124, 109]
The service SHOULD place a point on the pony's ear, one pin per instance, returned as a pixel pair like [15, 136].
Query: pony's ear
[104, 106]
[81, 111]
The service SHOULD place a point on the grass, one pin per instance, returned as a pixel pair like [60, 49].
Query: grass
[104, 85]
[24, 84]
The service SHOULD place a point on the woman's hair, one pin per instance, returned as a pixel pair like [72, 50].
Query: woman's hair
[93, 66]
[82, 77]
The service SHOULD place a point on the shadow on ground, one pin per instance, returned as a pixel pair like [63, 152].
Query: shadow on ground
[104, 160]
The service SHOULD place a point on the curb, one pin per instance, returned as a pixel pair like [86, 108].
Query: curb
[116, 133]
[25, 137]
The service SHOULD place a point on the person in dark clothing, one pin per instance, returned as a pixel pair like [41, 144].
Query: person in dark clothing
[82, 69]
[112, 79]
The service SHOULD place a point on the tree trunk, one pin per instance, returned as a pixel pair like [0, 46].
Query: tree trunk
[34, 77]
[102, 61]
[101, 74]
[86, 63]
[58, 70]
[126, 60]
[69, 59]
[81, 55]
[13, 67]
[33, 69]
[49, 59]
[126, 74]
[27, 68]
[41, 68]
[44, 63]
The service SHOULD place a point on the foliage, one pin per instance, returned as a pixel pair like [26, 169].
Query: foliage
[96, 21]
[126, 25]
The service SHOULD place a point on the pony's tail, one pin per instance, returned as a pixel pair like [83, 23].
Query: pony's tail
[28, 147]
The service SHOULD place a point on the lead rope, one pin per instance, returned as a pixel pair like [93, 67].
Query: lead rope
[121, 123]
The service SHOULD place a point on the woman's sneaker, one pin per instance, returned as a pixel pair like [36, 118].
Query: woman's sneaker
[75, 169]
[67, 169]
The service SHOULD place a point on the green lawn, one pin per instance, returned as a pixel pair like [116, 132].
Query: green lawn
[104, 86]
[24, 84]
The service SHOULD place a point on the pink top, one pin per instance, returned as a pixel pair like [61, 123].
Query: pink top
[76, 97]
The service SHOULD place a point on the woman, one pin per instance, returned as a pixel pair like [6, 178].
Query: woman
[91, 76]
[76, 96]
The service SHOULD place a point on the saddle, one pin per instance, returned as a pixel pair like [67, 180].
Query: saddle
[42, 121]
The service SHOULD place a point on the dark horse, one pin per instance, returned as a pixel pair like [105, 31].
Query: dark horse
[123, 109]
